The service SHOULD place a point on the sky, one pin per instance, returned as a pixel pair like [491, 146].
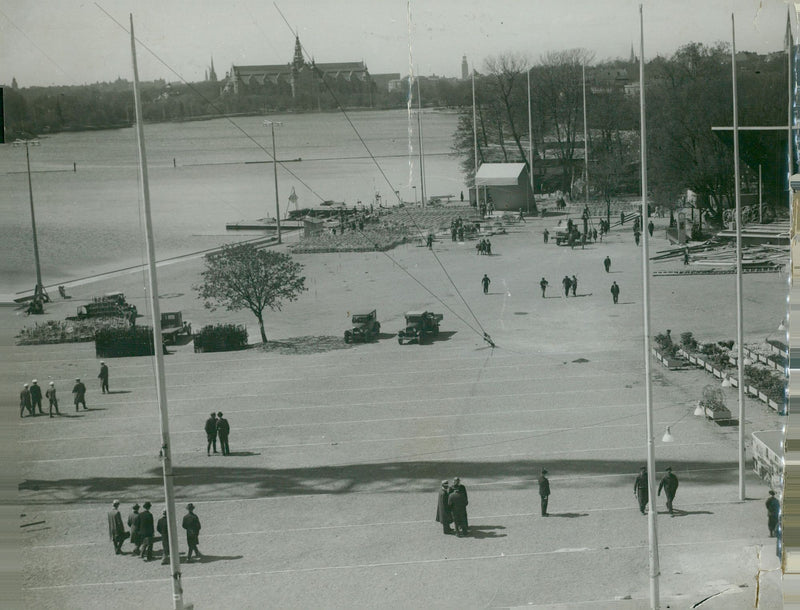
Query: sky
[64, 42]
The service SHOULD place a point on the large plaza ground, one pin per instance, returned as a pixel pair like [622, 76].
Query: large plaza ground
[329, 497]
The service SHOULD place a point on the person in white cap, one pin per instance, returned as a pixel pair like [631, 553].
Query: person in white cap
[51, 396]
[79, 392]
[116, 531]
[103, 377]
[36, 397]
[25, 400]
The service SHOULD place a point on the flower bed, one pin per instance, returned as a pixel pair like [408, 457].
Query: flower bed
[57, 331]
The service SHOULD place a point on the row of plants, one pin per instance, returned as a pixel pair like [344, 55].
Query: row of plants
[69, 331]
[220, 338]
[122, 342]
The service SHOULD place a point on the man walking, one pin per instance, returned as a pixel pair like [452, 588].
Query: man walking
[544, 491]
[773, 514]
[116, 531]
[79, 393]
[146, 529]
[25, 400]
[103, 377]
[211, 433]
[607, 264]
[574, 284]
[543, 284]
[133, 523]
[457, 502]
[650, 228]
[161, 528]
[636, 236]
[670, 486]
[615, 292]
[51, 396]
[443, 514]
[36, 397]
[567, 283]
[640, 489]
[223, 429]
[485, 281]
[546, 234]
[191, 523]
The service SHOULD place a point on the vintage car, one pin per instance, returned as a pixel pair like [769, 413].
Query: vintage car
[419, 324]
[365, 327]
[173, 325]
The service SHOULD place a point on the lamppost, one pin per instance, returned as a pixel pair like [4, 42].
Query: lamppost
[275, 170]
[39, 290]
[415, 194]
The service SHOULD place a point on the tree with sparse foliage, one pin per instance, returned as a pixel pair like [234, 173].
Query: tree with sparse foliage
[244, 277]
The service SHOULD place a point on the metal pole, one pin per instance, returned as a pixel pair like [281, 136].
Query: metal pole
[739, 325]
[585, 135]
[760, 202]
[475, 142]
[419, 137]
[161, 389]
[651, 455]
[530, 137]
[275, 173]
[39, 286]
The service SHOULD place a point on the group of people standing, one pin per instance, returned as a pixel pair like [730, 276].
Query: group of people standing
[217, 426]
[484, 246]
[143, 530]
[30, 398]
[451, 507]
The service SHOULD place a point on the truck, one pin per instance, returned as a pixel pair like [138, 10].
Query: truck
[365, 327]
[111, 304]
[172, 326]
[419, 324]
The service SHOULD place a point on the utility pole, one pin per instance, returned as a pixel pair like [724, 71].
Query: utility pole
[39, 289]
[275, 172]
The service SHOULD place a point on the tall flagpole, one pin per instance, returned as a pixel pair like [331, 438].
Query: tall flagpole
[161, 388]
[739, 323]
[530, 137]
[475, 142]
[585, 134]
[421, 155]
[651, 454]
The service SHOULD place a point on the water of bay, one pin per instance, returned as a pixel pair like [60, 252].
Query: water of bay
[89, 221]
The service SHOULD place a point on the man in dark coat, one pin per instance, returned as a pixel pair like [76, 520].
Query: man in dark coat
[25, 400]
[116, 531]
[567, 283]
[443, 514]
[650, 228]
[79, 393]
[223, 429]
[457, 502]
[607, 264]
[457, 485]
[103, 377]
[574, 285]
[670, 486]
[51, 396]
[161, 528]
[640, 489]
[136, 540]
[773, 514]
[36, 397]
[485, 281]
[615, 292]
[543, 285]
[544, 491]
[191, 523]
[211, 433]
[146, 527]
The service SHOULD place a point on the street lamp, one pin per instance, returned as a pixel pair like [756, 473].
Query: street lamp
[275, 170]
[415, 194]
[39, 290]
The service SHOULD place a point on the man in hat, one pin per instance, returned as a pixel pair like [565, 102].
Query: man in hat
[544, 491]
[211, 433]
[191, 523]
[133, 523]
[773, 514]
[443, 514]
[223, 429]
[79, 393]
[457, 503]
[161, 528]
[146, 529]
[116, 531]
[36, 397]
[670, 486]
[615, 292]
[25, 400]
[543, 285]
[51, 396]
[463, 490]
[103, 377]
[640, 489]
[485, 281]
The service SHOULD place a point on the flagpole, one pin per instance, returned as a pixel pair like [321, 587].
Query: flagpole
[530, 138]
[739, 316]
[651, 454]
[161, 388]
[419, 134]
[475, 142]
[585, 134]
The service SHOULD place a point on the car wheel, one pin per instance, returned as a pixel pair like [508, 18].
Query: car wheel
[347, 337]
[400, 340]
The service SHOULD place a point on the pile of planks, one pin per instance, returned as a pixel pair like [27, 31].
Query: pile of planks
[720, 256]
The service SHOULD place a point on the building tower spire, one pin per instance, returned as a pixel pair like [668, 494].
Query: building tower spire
[212, 74]
[633, 55]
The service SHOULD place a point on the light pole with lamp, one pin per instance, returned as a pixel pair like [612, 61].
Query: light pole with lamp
[275, 172]
[39, 290]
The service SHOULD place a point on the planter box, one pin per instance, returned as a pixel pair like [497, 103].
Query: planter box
[763, 397]
[752, 391]
[774, 404]
[718, 414]
[692, 359]
[734, 382]
[708, 367]
[717, 373]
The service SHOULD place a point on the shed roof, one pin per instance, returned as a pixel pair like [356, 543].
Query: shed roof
[499, 174]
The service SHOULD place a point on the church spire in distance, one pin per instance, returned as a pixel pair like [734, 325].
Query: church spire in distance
[298, 61]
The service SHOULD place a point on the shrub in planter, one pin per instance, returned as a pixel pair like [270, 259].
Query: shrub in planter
[726, 344]
[220, 338]
[122, 342]
[688, 342]
[665, 345]
[715, 355]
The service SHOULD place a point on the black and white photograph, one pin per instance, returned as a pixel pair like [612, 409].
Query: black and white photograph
[471, 305]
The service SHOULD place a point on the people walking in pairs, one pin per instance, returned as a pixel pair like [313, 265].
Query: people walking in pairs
[211, 433]
[773, 514]
[133, 523]
[615, 292]
[162, 528]
[567, 283]
[52, 398]
[25, 400]
[443, 513]
[543, 285]
[223, 429]
[640, 489]
[116, 530]
[544, 491]
[191, 523]
[103, 377]
[607, 264]
[485, 281]
[36, 397]
[79, 394]
[574, 285]
[670, 486]
[146, 528]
